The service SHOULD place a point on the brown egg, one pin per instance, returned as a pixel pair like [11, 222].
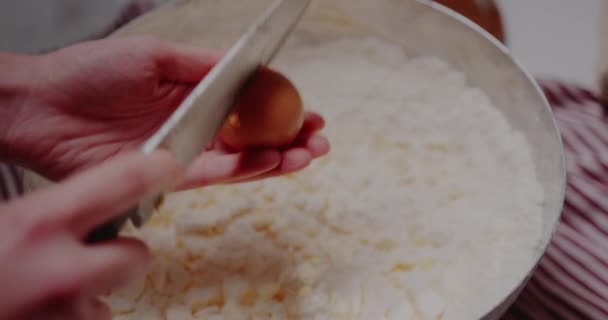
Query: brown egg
[268, 113]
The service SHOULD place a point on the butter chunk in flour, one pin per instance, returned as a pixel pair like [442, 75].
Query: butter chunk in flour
[427, 207]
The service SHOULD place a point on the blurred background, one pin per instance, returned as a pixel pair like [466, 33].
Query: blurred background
[561, 39]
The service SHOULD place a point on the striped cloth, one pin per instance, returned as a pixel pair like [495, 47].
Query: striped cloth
[571, 281]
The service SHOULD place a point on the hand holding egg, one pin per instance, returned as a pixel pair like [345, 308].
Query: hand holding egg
[267, 133]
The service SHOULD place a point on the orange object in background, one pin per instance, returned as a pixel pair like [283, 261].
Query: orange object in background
[483, 12]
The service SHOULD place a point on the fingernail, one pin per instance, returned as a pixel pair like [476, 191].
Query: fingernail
[318, 145]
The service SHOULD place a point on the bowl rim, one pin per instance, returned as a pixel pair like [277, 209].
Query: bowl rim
[505, 302]
[501, 305]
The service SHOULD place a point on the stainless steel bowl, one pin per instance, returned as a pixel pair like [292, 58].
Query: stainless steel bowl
[422, 28]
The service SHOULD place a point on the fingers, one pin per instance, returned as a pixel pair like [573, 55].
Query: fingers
[294, 159]
[82, 308]
[313, 123]
[94, 309]
[55, 219]
[86, 308]
[185, 63]
[99, 310]
[76, 270]
[221, 165]
[317, 145]
[297, 158]
[307, 146]
[111, 265]
[217, 167]
[100, 194]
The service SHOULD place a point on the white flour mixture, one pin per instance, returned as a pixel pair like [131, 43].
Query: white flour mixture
[426, 208]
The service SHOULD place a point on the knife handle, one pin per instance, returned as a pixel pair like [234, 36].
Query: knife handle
[138, 215]
[110, 230]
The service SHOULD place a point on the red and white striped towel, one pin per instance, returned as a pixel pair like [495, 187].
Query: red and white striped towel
[571, 281]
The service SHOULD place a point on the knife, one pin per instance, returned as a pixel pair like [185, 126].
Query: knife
[195, 122]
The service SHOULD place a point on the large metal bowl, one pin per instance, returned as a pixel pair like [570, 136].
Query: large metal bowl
[422, 28]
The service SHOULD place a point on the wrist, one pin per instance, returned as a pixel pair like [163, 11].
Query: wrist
[16, 74]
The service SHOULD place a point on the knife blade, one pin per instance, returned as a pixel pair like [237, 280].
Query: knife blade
[195, 122]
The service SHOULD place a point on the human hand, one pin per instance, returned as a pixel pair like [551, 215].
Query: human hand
[47, 270]
[98, 99]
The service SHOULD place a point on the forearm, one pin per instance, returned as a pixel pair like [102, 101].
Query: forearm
[16, 74]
